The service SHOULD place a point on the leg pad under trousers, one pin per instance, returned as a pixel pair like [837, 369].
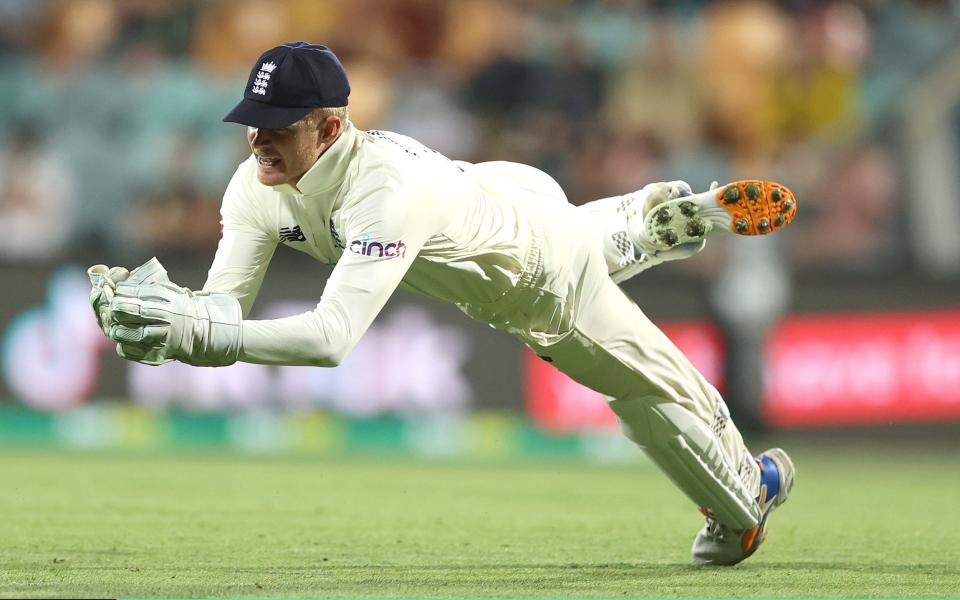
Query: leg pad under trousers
[690, 454]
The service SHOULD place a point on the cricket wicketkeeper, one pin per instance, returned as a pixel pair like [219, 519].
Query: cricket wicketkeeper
[498, 239]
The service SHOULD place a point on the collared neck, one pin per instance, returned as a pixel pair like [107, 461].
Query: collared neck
[330, 168]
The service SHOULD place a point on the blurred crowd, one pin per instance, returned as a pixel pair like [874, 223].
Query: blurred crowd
[110, 131]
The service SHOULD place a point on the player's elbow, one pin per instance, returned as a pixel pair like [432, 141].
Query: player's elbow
[327, 360]
[341, 351]
[331, 334]
[331, 355]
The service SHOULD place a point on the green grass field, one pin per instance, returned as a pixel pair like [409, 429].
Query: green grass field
[99, 524]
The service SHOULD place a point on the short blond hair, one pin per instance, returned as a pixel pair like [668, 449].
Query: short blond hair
[317, 116]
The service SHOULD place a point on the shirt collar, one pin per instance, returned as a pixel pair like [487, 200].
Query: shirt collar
[330, 168]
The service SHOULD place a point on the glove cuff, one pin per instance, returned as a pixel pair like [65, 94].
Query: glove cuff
[221, 342]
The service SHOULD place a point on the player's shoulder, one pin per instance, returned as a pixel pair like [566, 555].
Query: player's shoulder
[380, 171]
[384, 193]
[401, 159]
[376, 188]
[402, 150]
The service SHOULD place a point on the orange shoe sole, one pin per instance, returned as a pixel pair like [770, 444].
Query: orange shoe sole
[757, 207]
[741, 207]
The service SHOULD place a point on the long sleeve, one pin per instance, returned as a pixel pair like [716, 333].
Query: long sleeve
[385, 231]
[245, 248]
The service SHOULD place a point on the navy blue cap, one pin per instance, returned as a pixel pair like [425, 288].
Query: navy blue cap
[287, 83]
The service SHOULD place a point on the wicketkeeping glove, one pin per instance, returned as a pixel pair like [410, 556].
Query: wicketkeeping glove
[105, 280]
[158, 322]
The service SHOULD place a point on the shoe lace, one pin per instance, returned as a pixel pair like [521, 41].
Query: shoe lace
[715, 529]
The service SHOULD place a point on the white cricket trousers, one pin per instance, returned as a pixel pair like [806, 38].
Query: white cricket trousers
[568, 310]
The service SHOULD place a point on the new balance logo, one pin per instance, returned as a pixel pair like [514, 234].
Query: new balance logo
[292, 235]
[336, 236]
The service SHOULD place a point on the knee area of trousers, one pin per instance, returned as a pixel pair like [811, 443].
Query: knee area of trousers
[652, 422]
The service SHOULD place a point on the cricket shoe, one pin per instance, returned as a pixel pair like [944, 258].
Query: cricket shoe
[716, 544]
[742, 207]
[628, 248]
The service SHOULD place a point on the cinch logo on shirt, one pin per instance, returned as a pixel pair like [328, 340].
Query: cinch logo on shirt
[378, 249]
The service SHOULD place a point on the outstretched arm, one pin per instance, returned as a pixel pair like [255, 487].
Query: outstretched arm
[357, 290]
[205, 329]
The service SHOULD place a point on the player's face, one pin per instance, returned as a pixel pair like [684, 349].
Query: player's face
[284, 155]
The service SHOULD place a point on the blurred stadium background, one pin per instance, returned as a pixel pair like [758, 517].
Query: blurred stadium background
[842, 333]
[113, 151]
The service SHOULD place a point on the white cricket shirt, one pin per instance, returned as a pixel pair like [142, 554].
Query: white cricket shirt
[387, 211]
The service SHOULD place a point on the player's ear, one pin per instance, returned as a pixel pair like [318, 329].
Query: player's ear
[330, 128]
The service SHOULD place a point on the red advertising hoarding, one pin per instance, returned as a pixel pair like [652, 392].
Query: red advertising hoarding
[863, 368]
